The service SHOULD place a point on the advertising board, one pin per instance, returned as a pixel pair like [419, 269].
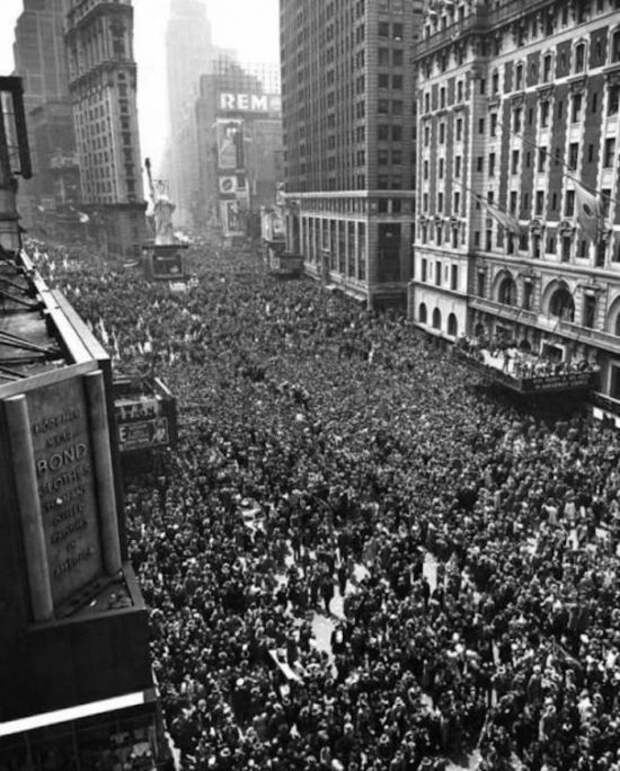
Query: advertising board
[62, 474]
[232, 218]
[229, 138]
[65, 477]
[142, 424]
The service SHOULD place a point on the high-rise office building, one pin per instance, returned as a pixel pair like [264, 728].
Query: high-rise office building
[102, 83]
[348, 103]
[39, 51]
[189, 50]
[40, 60]
[518, 115]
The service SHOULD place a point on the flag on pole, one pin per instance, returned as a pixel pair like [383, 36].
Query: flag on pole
[589, 213]
[506, 220]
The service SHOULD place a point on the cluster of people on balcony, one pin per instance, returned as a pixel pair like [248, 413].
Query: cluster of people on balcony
[517, 360]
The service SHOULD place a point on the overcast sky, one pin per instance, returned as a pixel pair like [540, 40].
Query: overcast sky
[249, 26]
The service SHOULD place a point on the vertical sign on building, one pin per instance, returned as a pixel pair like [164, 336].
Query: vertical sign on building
[59, 442]
[229, 144]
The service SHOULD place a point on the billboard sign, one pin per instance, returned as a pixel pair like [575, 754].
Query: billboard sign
[145, 416]
[143, 434]
[59, 460]
[228, 185]
[229, 134]
[232, 218]
[263, 103]
[65, 476]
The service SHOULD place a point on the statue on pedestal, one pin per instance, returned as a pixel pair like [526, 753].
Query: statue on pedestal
[162, 209]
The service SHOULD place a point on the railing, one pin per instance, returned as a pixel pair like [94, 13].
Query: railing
[86, 6]
[476, 21]
[479, 20]
[513, 9]
[530, 385]
[512, 312]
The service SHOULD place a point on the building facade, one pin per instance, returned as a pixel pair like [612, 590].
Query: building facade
[102, 83]
[348, 95]
[518, 104]
[189, 50]
[40, 59]
[39, 51]
[239, 120]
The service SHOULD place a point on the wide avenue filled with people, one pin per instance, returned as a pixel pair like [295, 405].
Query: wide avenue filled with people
[357, 559]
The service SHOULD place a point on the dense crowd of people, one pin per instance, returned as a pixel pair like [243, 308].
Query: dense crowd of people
[327, 457]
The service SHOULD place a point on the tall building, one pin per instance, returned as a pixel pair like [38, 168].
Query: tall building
[40, 59]
[189, 50]
[102, 83]
[518, 107]
[39, 51]
[348, 102]
[239, 123]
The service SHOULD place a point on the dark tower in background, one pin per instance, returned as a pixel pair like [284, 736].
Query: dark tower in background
[40, 60]
[102, 83]
[189, 50]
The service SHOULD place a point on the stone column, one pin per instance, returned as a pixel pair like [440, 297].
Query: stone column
[30, 515]
[102, 461]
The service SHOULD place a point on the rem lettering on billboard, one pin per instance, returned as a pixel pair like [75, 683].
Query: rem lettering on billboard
[266, 103]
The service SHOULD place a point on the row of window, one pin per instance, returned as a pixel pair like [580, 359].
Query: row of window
[356, 205]
[345, 243]
[598, 55]
[394, 30]
[449, 275]
[561, 303]
[452, 327]
[577, 104]
[539, 200]
[533, 244]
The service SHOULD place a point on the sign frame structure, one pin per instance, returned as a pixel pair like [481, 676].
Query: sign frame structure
[63, 479]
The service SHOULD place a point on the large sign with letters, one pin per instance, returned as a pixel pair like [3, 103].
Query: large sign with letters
[141, 424]
[65, 476]
[61, 466]
[265, 103]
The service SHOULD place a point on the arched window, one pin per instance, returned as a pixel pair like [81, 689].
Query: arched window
[436, 319]
[562, 305]
[580, 57]
[422, 314]
[452, 325]
[507, 292]
[617, 326]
